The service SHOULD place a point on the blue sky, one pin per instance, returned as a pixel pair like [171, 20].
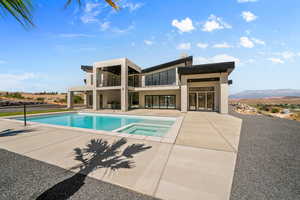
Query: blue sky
[262, 36]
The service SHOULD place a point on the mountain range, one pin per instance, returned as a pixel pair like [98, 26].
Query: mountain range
[254, 94]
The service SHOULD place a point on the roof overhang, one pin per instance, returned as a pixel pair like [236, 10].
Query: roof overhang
[207, 68]
[185, 60]
[87, 68]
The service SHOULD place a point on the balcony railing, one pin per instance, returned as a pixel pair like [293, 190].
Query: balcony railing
[134, 81]
[115, 81]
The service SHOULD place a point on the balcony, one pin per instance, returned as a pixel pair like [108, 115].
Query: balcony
[134, 81]
[109, 82]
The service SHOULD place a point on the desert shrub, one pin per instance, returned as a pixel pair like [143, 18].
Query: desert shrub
[78, 99]
[16, 95]
[41, 99]
[274, 110]
[60, 100]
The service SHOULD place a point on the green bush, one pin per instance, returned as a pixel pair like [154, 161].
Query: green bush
[16, 95]
[41, 99]
[78, 99]
[274, 110]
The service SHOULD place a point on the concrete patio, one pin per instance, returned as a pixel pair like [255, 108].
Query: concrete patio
[199, 165]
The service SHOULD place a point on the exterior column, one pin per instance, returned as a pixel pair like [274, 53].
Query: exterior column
[223, 94]
[70, 99]
[177, 76]
[96, 100]
[143, 81]
[184, 94]
[85, 100]
[124, 86]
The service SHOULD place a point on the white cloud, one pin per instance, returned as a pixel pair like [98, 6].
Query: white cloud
[9, 81]
[202, 45]
[222, 45]
[246, 1]
[184, 46]
[148, 42]
[288, 55]
[185, 25]
[216, 59]
[104, 26]
[132, 6]
[215, 23]
[249, 61]
[125, 30]
[249, 16]
[90, 13]
[74, 35]
[246, 42]
[258, 41]
[276, 60]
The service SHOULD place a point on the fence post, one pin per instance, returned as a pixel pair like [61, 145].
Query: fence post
[24, 114]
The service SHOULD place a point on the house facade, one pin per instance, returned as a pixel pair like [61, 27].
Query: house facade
[121, 84]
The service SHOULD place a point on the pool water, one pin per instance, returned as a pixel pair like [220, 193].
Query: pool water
[147, 130]
[108, 122]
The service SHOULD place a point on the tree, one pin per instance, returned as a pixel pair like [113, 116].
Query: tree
[21, 10]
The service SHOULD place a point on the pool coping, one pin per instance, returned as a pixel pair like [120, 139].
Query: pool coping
[169, 137]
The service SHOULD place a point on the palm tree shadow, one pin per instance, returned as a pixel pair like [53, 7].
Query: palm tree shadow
[12, 132]
[98, 153]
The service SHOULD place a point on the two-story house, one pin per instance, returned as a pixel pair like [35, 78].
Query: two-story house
[121, 84]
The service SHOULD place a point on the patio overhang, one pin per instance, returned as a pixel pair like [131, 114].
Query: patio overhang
[207, 68]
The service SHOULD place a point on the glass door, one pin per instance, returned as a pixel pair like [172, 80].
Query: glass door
[155, 102]
[148, 101]
[192, 101]
[163, 102]
[210, 100]
[172, 102]
[201, 101]
[101, 101]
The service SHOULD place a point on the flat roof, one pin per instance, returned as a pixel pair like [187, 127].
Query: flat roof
[168, 64]
[207, 68]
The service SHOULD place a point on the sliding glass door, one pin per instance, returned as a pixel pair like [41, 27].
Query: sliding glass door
[160, 101]
[202, 99]
[192, 101]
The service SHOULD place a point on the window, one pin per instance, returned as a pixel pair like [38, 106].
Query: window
[167, 77]
[148, 80]
[160, 101]
[155, 79]
[201, 89]
[171, 77]
[148, 101]
[92, 79]
[155, 101]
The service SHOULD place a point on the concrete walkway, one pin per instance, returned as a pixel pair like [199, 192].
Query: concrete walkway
[199, 165]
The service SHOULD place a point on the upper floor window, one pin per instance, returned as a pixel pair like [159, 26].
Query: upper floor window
[167, 77]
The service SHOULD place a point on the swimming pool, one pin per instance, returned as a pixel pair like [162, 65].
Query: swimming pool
[137, 125]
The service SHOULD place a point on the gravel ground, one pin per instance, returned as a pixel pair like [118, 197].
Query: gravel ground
[268, 160]
[25, 178]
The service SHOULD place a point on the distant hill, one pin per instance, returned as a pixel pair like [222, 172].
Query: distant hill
[255, 94]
